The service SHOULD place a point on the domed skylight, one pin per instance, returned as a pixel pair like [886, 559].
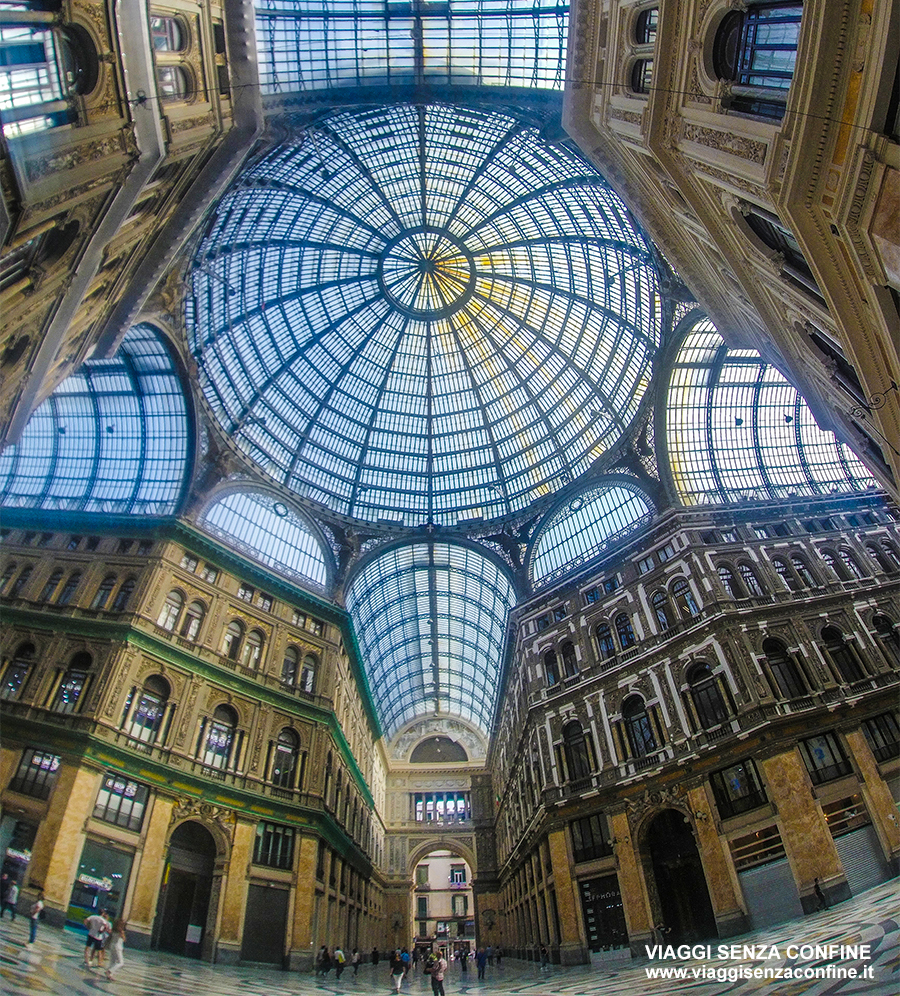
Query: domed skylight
[423, 313]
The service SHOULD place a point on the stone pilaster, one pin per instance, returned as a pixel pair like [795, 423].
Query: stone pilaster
[635, 903]
[572, 947]
[303, 929]
[234, 895]
[878, 799]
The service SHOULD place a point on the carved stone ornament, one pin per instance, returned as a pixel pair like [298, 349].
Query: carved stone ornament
[474, 745]
[204, 812]
[655, 799]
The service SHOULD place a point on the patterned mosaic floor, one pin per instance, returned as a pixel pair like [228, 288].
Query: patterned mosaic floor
[53, 966]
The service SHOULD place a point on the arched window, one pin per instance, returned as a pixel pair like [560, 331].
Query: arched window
[803, 572]
[660, 603]
[645, 26]
[16, 673]
[120, 602]
[171, 610]
[605, 644]
[218, 743]
[641, 75]
[637, 727]
[308, 673]
[890, 553]
[193, 619]
[20, 582]
[103, 592]
[172, 83]
[709, 704]
[570, 662]
[73, 683]
[785, 674]
[756, 48]
[65, 596]
[751, 581]
[284, 760]
[684, 599]
[579, 756]
[289, 666]
[145, 720]
[851, 565]
[786, 575]
[49, 589]
[168, 34]
[888, 637]
[234, 637]
[842, 655]
[251, 654]
[624, 631]
[551, 668]
[726, 576]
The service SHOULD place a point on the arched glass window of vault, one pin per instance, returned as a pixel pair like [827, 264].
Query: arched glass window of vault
[267, 530]
[423, 313]
[584, 527]
[113, 437]
[430, 619]
[736, 429]
[311, 44]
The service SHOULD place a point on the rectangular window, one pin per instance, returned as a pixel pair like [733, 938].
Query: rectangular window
[559, 613]
[737, 789]
[729, 536]
[543, 621]
[121, 802]
[457, 874]
[762, 532]
[92, 543]
[666, 553]
[591, 596]
[460, 905]
[265, 602]
[824, 758]
[781, 529]
[274, 846]
[883, 735]
[422, 907]
[611, 584]
[189, 563]
[209, 574]
[422, 875]
[45, 539]
[245, 592]
[36, 773]
[73, 542]
[145, 547]
[589, 838]
[646, 564]
[125, 546]
[709, 538]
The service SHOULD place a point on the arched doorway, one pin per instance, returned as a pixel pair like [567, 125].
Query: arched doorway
[183, 907]
[687, 912]
[443, 906]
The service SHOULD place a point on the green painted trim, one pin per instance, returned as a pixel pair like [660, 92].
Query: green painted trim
[225, 677]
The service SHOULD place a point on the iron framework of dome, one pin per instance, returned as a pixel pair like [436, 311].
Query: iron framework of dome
[423, 313]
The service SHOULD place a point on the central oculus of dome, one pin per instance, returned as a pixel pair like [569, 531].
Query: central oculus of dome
[426, 273]
[422, 314]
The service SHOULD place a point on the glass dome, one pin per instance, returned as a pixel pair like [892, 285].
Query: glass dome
[422, 313]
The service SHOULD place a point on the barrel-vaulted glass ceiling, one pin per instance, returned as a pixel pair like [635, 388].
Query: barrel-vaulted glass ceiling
[431, 623]
[736, 429]
[113, 437]
[423, 313]
[316, 44]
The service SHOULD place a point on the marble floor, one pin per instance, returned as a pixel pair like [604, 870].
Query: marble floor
[54, 966]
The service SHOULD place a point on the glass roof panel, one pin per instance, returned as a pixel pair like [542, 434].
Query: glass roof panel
[736, 429]
[431, 623]
[584, 527]
[268, 531]
[423, 313]
[315, 44]
[113, 437]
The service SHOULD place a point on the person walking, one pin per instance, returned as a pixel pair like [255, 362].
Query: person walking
[355, 959]
[323, 962]
[498, 951]
[481, 962]
[398, 970]
[489, 951]
[10, 900]
[376, 957]
[463, 956]
[339, 960]
[98, 928]
[545, 957]
[116, 948]
[404, 957]
[437, 974]
[37, 908]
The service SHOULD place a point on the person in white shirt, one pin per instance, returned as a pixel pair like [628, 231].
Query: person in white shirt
[437, 975]
[98, 928]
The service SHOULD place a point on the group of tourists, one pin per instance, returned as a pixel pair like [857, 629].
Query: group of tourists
[9, 901]
[104, 936]
[326, 960]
